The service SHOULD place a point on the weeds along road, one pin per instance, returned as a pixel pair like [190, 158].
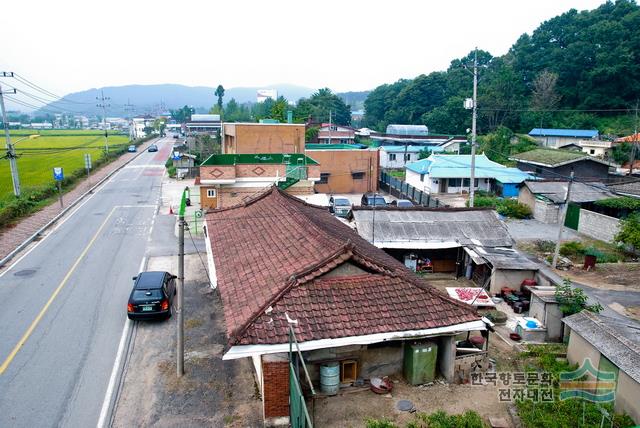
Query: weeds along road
[63, 305]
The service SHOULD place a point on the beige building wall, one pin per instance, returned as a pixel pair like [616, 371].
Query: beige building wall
[341, 164]
[247, 138]
[628, 397]
[579, 350]
[508, 278]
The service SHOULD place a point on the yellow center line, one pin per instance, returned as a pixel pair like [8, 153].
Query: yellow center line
[35, 322]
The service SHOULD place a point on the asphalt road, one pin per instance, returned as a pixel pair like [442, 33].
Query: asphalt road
[63, 305]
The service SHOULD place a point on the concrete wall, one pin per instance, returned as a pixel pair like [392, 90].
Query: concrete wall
[340, 164]
[598, 226]
[627, 397]
[508, 278]
[263, 138]
[579, 350]
[399, 162]
[546, 212]
[446, 357]
[549, 314]
[467, 364]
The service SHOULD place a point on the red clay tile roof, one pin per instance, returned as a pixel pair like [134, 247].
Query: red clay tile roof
[271, 254]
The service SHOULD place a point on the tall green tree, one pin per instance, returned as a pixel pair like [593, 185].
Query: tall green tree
[220, 94]
[322, 103]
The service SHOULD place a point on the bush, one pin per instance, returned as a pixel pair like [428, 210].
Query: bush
[572, 248]
[380, 423]
[441, 419]
[544, 246]
[602, 257]
[624, 203]
[629, 233]
[171, 171]
[514, 209]
[485, 201]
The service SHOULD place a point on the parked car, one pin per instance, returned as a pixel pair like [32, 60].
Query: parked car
[341, 207]
[132, 149]
[373, 199]
[152, 295]
[176, 136]
[402, 203]
[152, 148]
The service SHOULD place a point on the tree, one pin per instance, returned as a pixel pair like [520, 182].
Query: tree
[573, 300]
[183, 114]
[621, 153]
[322, 103]
[219, 93]
[629, 233]
[424, 153]
[279, 109]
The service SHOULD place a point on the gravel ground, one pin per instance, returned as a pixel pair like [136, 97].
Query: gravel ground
[212, 392]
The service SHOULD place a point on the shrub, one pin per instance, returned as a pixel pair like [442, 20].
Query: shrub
[623, 203]
[485, 201]
[629, 233]
[602, 257]
[441, 419]
[573, 300]
[171, 171]
[380, 423]
[514, 209]
[544, 246]
[572, 248]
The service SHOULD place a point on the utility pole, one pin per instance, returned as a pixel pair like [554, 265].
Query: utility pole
[103, 103]
[634, 142]
[180, 287]
[330, 140]
[11, 154]
[561, 221]
[472, 179]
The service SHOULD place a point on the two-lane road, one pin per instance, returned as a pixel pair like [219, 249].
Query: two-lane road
[63, 305]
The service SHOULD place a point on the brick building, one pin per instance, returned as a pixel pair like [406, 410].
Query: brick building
[280, 263]
[263, 138]
[345, 168]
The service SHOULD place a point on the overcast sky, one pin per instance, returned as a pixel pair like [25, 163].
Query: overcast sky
[72, 45]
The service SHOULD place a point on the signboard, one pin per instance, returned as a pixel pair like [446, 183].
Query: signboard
[176, 155]
[58, 174]
[87, 161]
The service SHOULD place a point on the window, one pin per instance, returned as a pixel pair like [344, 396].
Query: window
[358, 175]
[392, 156]
[465, 182]
[324, 178]
[455, 182]
[333, 128]
[407, 157]
[592, 151]
[421, 177]
[211, 193]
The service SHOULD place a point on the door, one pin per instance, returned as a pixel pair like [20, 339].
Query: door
[573, 216]
[443, 185]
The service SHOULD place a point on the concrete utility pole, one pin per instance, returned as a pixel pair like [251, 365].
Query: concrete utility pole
[103, 103]
[634, 142]
[330, 140]
[180, 287]
[11, 154]
[472, 179]
[561, 222]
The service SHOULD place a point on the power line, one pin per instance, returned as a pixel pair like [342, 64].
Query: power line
[46, 92]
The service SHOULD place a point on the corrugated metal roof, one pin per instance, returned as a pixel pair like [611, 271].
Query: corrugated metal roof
[556, 191]
[506, 258]
[553, 132]
[459, 166]
[431, 227]
[616, 339]
[630, 188]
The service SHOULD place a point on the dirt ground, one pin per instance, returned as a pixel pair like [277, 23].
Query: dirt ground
[353, 409]
[212, 392]
[609, 276]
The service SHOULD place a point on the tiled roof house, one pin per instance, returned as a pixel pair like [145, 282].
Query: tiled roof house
[277, 259]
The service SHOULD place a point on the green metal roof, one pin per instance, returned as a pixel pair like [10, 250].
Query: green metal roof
[260, 158]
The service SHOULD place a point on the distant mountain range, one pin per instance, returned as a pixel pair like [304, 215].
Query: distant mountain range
[140, 99]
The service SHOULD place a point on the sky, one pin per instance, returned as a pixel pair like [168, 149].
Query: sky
[66, 46]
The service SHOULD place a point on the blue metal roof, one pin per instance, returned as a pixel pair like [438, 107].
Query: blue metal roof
[577, 133]
[459, 166]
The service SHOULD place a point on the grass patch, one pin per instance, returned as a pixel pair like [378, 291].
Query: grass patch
[193, 323]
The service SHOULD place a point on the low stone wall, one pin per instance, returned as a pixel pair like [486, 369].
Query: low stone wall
[545, 212]
[598, 226]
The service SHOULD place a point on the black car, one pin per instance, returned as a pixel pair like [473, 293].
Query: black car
[152, 296]
[152, 148]
[373, 199]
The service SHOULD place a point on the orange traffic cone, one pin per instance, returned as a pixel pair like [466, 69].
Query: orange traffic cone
[170, 210]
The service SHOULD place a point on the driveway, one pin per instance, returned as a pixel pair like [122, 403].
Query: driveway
[529, 230]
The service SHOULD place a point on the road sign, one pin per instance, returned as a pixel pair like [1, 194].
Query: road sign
[176, 155]
[198, 213]
[58, 174]
[87, 161]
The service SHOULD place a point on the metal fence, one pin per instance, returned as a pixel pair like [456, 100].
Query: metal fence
[298, 413]
[403, 190]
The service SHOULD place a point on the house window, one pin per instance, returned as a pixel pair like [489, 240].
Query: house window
[358, 175]
[465, 182]
[343, 141]
[392, 156]
[211, 193]
[455, 182]
[592, 151]
[333, 128]
[421, 177]
[407, 157]
[324, 178]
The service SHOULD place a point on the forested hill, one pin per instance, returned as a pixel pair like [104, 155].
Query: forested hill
[587, 62]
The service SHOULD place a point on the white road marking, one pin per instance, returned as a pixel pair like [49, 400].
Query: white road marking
[126, 330]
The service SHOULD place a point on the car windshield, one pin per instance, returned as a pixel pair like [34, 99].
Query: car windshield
[377, 201]
[147, 294]
[342, 202]
[405, 204]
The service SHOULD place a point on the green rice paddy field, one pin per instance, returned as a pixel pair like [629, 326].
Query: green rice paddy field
[37, 156]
